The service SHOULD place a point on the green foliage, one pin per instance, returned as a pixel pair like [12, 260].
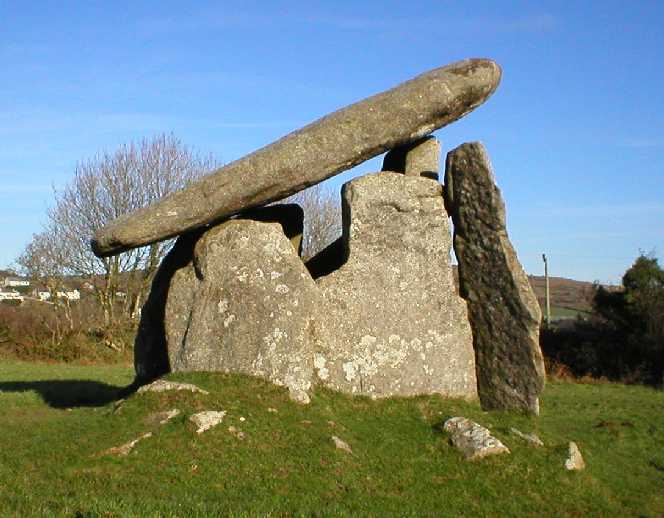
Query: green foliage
[644, 278]
[623, 339]
[58, 419]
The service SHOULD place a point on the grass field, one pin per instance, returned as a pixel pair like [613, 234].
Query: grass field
[57, 419]
[558, 312]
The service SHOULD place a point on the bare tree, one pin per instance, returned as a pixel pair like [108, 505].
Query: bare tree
[103, 188]
[42, 261]
[322, 218]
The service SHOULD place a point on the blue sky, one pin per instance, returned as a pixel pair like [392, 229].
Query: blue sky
[575, 131]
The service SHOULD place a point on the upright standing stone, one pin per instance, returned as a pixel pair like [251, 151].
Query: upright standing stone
[236, 299]
[172, 282]
[398, 327]
[308, 156]
[420, 158]
[503, 309]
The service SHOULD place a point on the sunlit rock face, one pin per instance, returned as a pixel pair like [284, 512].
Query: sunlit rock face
[396, 325]
[236, 299]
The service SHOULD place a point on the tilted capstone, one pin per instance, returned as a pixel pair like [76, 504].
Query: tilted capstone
[308, 156]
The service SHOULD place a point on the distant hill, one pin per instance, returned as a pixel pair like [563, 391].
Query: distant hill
[565, 293]
[568, 297]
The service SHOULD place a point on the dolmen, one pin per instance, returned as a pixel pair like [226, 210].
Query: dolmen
[377, 312]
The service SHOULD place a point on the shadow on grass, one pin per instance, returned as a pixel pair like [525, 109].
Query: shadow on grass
[71, 393]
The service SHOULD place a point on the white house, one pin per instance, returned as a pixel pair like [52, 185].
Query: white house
[11, 295]
[13, 282]
[69, 295]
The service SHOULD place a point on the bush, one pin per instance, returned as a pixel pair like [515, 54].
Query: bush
[41, 332]
[623, 339]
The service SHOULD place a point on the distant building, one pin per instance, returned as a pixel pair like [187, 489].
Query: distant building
[69, 295]
[14, 282]
[11, 295]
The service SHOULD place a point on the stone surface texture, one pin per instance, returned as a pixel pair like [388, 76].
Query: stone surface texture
[289, 215]
[473, 440]
[308, 156]
[340, 444]
[420, 158]
[164, 385]
[503, 310]
[237, 299]
[530, 438]
[159, 418]
[397, 327]
[126, 448]
[574, 460]
[237, 433]
[207, 419]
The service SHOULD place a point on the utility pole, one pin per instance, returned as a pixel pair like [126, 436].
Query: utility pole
[546, 290]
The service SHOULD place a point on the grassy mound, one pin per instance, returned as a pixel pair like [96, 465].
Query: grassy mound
[58, 419]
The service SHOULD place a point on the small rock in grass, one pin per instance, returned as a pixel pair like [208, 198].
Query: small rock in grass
[272, 410]
[207, 419]
[299, 396]
[472, 440]
[530, 438]
[125, 449]
[239, 434]
[341, 445]
[117, 406]
[164, 385]
[575, 460]
[162, 417]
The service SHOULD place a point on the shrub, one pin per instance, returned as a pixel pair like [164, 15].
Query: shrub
[39, 331]
[623, 339]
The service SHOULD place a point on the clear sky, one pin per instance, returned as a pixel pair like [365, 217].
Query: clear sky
[575, 131]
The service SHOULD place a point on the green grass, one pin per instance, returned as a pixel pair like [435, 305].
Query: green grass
[56, 419]
[560, 312]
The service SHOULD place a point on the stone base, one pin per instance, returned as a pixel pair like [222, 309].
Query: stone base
[237, 298]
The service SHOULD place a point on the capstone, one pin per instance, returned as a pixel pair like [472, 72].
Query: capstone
[308, 156]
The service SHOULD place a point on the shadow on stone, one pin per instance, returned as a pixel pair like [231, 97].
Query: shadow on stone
[150, 349]
[289, 215]
[328, 260]
[70, 393]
